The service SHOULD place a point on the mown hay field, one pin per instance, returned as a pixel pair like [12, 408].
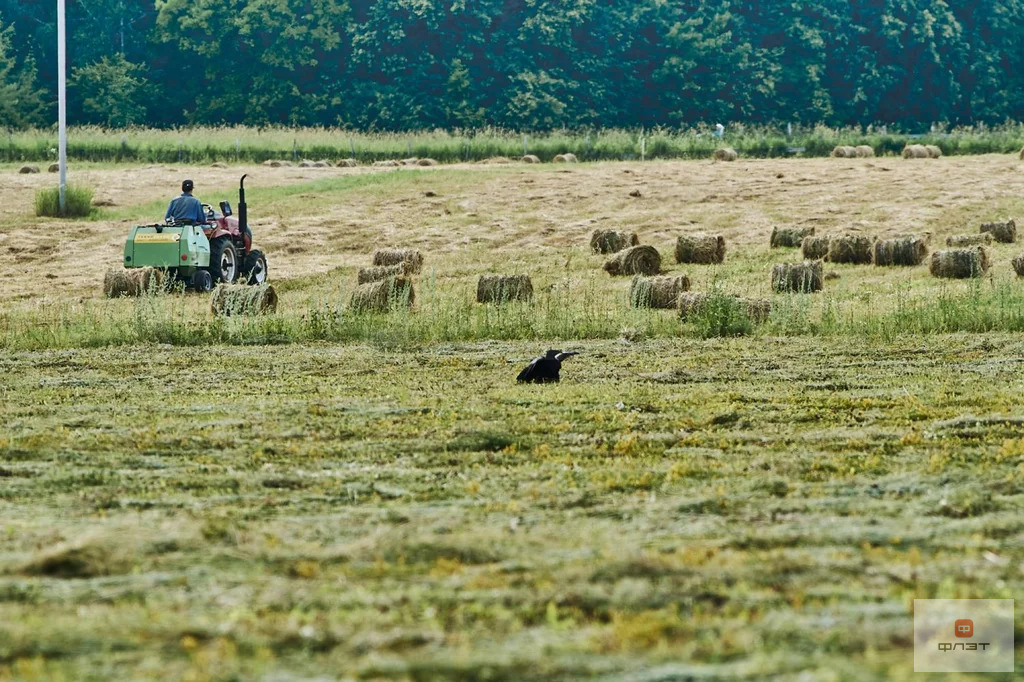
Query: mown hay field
[316, 493]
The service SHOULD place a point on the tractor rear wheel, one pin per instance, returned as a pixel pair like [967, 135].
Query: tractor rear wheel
[255, 268]
[223, 261]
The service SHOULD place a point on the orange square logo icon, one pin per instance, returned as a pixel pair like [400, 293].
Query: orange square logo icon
[964, 627]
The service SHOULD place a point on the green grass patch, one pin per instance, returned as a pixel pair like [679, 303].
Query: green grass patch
[77, 202]
[736, 506]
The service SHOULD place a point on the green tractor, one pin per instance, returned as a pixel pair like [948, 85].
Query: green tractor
[204, 255]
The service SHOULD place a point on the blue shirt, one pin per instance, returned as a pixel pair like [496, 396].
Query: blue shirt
[186, 207]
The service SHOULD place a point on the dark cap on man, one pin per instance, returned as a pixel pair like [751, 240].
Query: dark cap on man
[186, 186]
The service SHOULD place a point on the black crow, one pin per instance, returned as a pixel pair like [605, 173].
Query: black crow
[544, 369]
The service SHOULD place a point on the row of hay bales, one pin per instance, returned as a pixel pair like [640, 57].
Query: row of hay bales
[388, 283]
[226, 300]
[858, 249]
[910, 151]
[808, 276]
[966, 258]
[306, 163]
[392, 163]
[921, 151]
[31, 168]
[629, 257]
[862, 151]
[847, 152]
[649, 289]
[669, 292]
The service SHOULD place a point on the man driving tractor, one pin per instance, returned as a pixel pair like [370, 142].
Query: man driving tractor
[186, 208]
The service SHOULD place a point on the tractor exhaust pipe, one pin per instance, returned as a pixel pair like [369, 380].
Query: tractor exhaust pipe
[243, 223]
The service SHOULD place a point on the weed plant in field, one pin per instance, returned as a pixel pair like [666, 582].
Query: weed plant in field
[77, 202]
[721, 315]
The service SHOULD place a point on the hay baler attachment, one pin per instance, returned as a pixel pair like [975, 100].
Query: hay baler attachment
[219, 251]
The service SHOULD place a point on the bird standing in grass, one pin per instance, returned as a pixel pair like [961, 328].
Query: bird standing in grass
[544, 370]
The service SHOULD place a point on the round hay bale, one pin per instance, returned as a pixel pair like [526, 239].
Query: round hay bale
[934, 152]
[963, 240]
[757, 309]
[725, 154]
[54, 168]
[850, 248]
[657, 292]
[1005, 233]
[865, 151]
[530, 158]
[900, 251]
[636, 260]
[960, 263]
[568, 157]
[411, 257]
[347, 163]
[426, 162]
[28, 169]
[844, 152]
[1018, 265]
[379, 272]
[815, 247]
[612, 241]
[387, 163]
[789, 236]
[383, 295]
[134, 282]
[503, 288]
[327, 163]
[915, 151]
[700, 248]
[306, 164]
[559, 158]
[803, 277]
[691, 302]
[241, 299]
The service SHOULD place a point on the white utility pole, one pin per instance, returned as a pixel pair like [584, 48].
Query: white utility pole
[62, 135]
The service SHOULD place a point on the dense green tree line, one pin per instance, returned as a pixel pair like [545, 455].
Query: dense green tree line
[521, 64]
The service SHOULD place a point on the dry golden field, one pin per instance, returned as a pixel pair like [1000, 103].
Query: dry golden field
[535, 219]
